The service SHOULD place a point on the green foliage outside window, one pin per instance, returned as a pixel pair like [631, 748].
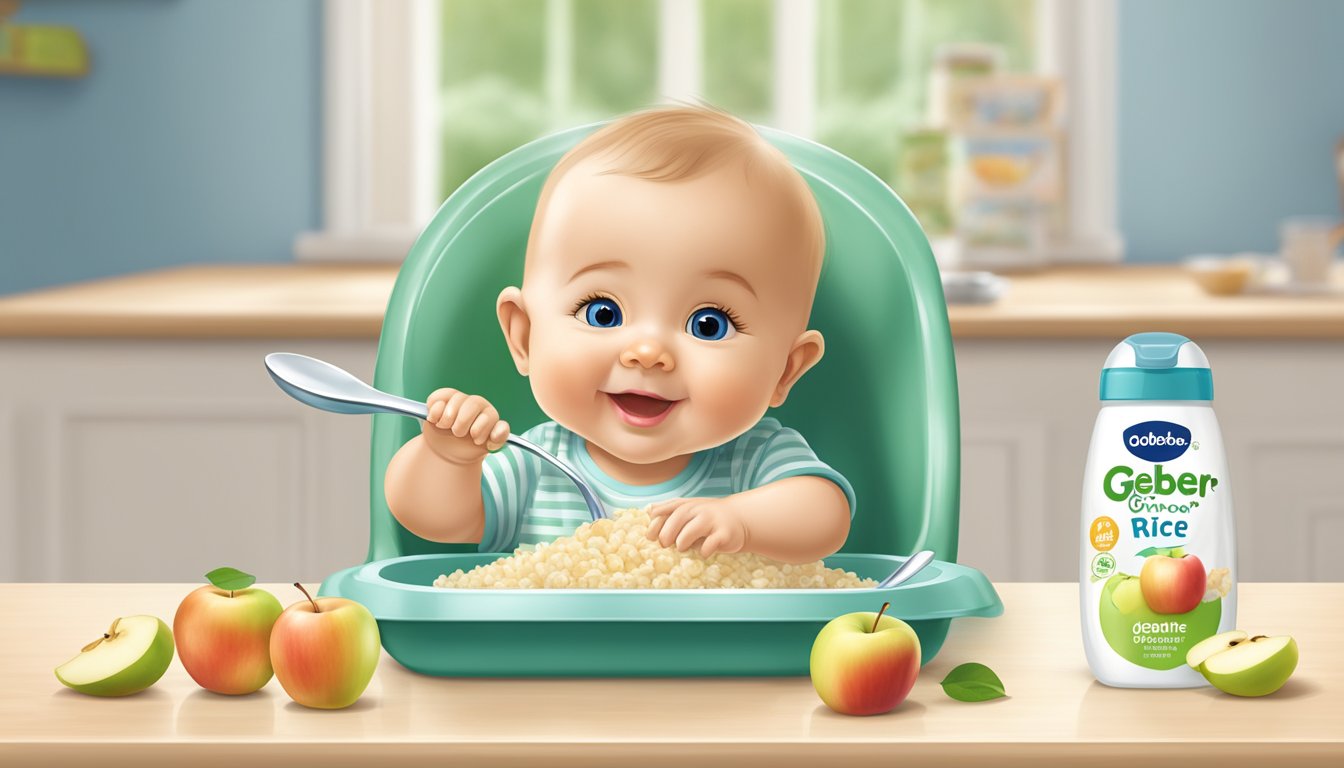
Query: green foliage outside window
[873, 59]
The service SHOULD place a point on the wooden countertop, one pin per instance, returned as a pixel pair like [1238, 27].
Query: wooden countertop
[343, 301]
[1055, 713]
[236, 301]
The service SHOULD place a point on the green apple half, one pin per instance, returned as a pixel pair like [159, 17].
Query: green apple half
[131, 656]
[1245, 666]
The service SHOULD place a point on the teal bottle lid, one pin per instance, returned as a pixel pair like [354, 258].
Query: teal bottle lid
[1156, 366]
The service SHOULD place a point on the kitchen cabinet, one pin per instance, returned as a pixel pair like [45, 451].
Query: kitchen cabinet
[154, 460]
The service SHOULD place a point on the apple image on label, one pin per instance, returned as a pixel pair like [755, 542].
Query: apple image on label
[865, 663]
[325, 651]
[1173, 584]
[131, 656]
[1241, 665]
[1122, 607]
[223, 633]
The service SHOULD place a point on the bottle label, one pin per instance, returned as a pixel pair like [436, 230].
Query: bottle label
[1152, 549]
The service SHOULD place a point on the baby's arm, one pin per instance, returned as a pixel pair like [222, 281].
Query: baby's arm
[790, 505]
[797, 519]
[433, 483]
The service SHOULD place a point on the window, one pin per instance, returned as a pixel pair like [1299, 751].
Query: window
[513, 70]
[875, 58]
[486, 77]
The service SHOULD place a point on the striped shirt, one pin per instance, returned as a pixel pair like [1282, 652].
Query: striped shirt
[527, 501]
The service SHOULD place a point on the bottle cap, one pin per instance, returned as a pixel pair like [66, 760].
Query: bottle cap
[1157, 366]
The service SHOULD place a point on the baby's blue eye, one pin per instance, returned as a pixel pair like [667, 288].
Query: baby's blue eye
[601, 313]
[710, 324]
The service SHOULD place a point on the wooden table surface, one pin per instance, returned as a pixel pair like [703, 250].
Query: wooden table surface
[1055, 713]
[348, 301]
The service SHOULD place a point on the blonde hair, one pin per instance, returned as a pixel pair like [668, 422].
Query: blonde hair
[682, 142]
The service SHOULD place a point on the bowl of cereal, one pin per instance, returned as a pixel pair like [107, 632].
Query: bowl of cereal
[608, 602]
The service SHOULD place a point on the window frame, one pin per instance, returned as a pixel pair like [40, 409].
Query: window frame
[380, 83]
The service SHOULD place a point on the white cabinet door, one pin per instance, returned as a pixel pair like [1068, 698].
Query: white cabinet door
[1027, 409]
[1281, 407]
[159, 460]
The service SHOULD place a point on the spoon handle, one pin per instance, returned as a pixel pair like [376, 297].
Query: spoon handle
[595, 507]
[912, 565]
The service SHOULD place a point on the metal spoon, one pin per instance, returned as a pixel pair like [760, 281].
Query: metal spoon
[324, 386]
[912, 565]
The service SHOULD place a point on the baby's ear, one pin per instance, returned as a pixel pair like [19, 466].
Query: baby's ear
[806, 352]
[515, 324]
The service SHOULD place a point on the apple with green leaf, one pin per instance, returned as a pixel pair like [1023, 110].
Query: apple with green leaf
[1242, 665]
[223, 633]
[325, 651]
[1173, 582]
[865, 663]
[130, 656]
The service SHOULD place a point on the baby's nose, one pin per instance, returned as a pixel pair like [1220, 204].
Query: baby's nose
[647, 353]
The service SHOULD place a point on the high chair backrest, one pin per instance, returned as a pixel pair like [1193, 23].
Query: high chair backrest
[881, 406]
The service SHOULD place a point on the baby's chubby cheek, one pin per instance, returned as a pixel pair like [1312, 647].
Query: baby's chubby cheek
[729, 390]
[565, 375]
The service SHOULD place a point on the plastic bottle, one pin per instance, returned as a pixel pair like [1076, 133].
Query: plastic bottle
[1158, 570]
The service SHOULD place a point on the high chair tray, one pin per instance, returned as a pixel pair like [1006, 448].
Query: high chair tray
[637, 632]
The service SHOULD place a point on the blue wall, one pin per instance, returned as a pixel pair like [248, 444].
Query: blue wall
[1229, 111]
[196, 138]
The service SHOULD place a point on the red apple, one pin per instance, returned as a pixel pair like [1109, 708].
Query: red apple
[864, 663]
[325, 651]
[1172, 584]
[223, 635]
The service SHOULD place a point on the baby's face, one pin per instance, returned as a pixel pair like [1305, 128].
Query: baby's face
[665, 317]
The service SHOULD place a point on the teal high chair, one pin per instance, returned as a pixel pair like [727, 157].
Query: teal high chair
[881, 407]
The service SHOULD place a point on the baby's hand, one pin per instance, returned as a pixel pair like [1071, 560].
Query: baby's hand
[462, 428]
[683, 522]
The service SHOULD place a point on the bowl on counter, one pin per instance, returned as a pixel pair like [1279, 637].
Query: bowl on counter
[1222, 275]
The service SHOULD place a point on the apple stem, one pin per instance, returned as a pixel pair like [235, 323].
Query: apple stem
[310, 597]
[879, 617]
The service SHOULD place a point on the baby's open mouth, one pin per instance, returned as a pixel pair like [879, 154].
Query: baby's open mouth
[641, 409]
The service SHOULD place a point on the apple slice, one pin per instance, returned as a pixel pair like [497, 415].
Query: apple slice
[1211, 645]
[1255, 667]
[131, 656]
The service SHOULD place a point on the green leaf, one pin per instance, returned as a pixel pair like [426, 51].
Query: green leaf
[973, 682]
[1163, 551]
[230, 578]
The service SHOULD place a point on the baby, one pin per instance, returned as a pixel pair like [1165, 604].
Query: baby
[669, 276]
